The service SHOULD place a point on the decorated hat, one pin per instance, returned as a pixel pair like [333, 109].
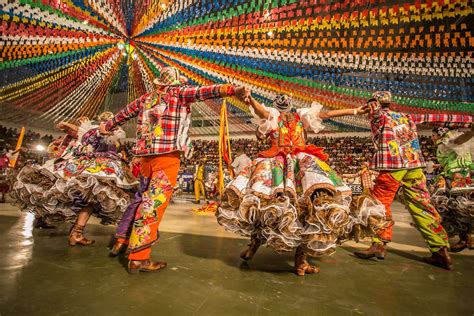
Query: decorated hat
[282, 102]
[105, 116]
[440, 131]
[169, 76]
[383, 96]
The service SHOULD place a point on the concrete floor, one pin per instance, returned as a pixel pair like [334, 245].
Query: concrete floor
[41, 275]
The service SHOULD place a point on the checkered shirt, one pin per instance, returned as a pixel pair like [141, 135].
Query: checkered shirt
[163, 120]
[396, 140]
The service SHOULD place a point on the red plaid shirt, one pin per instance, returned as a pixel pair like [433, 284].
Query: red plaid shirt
[164, 119]
[396, 139]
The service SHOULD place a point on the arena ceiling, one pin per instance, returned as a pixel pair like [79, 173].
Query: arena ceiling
[66, 58]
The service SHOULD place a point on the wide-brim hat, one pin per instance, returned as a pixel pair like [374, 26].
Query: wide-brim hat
[170, 76]
[105, 116]
[383, 96]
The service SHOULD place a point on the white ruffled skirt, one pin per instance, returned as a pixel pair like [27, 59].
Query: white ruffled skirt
[294, 201]
[47, 192]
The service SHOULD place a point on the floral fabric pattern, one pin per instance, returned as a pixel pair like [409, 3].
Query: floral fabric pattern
[158, 192]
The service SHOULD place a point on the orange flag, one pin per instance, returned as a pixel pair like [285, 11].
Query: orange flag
[18, 146]
[224, 147]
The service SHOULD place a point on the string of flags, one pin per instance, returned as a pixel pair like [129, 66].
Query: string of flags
[63, 58]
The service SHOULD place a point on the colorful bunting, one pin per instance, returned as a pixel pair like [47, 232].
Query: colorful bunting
[63, 59]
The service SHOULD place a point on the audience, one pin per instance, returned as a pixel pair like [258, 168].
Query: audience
[346, 154]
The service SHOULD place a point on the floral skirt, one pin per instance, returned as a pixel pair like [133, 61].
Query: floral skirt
[47, 192]
[297, 200]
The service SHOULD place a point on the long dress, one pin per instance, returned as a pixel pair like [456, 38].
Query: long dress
[453, 189]
[289, 196]
[88, 172]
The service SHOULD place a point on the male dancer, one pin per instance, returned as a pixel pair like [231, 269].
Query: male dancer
[199, 179]
[162, 128]
[399, 160]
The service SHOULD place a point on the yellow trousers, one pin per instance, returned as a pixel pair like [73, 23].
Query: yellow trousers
[199, 189]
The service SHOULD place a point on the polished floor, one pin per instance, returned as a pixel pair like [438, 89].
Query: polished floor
[41, 275]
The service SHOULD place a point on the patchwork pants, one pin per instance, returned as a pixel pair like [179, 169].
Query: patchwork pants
[160, 174]
[415, 196]
[125, 226]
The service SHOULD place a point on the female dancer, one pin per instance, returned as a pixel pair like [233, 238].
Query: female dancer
[289, 198]
[88, 178]
[454, 189]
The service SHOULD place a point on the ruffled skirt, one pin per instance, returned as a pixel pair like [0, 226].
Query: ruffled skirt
[455, 207]
[46, 192]
[297, 200]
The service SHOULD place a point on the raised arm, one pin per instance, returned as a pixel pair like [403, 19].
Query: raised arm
[335, 113]
[190, 94]
[130, 111]
[451, 120]
[258, 108]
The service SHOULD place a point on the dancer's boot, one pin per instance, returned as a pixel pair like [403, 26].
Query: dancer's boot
[76, 236]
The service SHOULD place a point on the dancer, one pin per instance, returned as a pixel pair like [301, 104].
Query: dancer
[162, 133]
[289, 198]
[399, 160]
[453, 196]
[87, 178]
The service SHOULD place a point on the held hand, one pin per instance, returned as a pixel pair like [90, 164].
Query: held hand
[243, 93]
[373, 105]
[103, 130]
[364, 109]
[247, 95]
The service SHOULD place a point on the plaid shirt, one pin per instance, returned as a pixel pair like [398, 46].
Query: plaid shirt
[396, 139]
[164, 119]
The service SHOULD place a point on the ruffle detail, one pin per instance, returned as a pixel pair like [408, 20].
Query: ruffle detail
[317, 226]
[310, 117]
[265, 126]
[108, 201]
[36, 191]
[457, 211]
[368, 217]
